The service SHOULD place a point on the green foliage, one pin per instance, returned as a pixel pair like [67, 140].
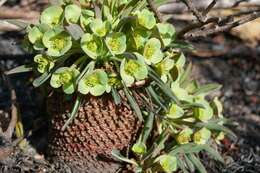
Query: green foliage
[120, 45]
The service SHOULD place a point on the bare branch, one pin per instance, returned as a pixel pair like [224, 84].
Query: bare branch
[194, 10]
[225, 27]
[211, 5]
[206, 25]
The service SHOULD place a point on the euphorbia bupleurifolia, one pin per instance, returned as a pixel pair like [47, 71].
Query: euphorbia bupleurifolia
[94, 48]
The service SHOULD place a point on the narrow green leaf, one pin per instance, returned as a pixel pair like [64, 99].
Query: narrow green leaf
[89, 68]
[40, 80]
[116, 96]
[186, 148]
[74, 111]
[148, 127]
[115, 153]
[181, 165]
[156, 97]
[197, 163]
[212, 152]
[20, 69]
[157, 146]
[124, 21]
[19, 23]
[164, 87]
[128, 8]
[133, 103]
[205, 89]
[189, 163]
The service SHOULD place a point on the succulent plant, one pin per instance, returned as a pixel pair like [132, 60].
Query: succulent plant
[116, 56]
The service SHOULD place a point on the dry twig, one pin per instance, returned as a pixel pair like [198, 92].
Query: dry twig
[206, 25]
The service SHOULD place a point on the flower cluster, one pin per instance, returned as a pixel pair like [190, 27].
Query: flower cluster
[132, 43]
[91, 50]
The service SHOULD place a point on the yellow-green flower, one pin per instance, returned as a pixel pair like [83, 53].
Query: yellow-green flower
[167, 32]
[203, 114]
[44, 63]
[99, 27]
[175, 111]
[52, 16]
[95, 83]
[91, 45]
[152, 51]
[184, 137]
[202, 136]
[66, 78]
[164, 67]
[116, 43]
[139, 148]
[133, 69]
[57, 41]
[168, 163]
[72, 13]
[146, 19]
